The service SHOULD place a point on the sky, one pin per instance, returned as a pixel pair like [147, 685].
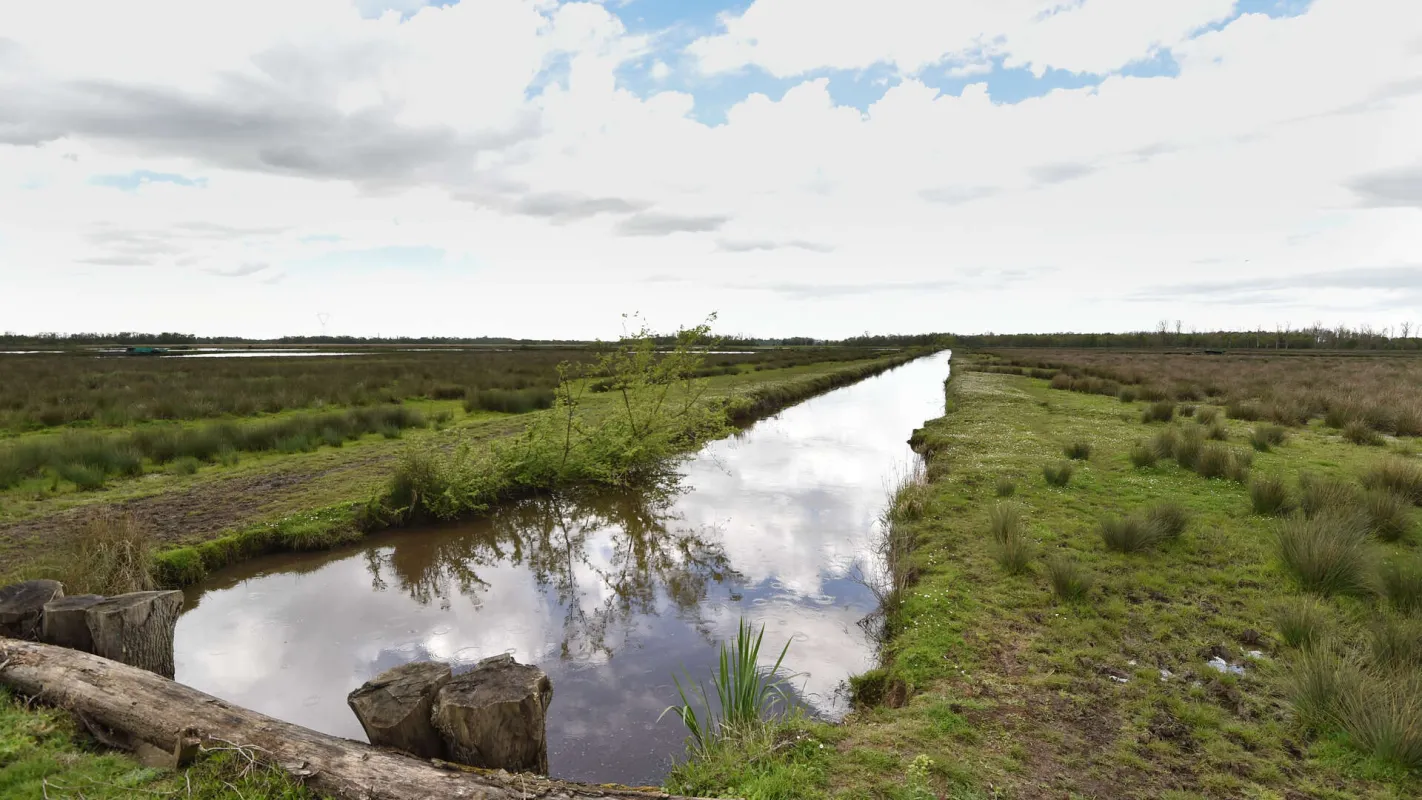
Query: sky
[799, 167]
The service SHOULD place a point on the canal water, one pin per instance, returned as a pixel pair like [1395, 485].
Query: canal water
[611, 595]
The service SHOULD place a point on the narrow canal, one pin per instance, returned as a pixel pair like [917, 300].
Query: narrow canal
[611, 596]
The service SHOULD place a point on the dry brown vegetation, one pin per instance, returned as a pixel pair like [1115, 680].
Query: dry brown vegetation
[1374, 392]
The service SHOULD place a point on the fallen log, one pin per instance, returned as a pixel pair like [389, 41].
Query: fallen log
[142, 707]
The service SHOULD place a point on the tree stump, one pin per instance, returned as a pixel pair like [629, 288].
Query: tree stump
[396, 707]
[137, 629]
[22, 607]
[66, 622]
[494, 716]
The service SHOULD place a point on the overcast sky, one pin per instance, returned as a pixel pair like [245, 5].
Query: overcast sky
[816, 167]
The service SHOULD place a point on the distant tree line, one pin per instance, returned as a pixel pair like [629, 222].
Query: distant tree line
[186, 339]
[1166, 335]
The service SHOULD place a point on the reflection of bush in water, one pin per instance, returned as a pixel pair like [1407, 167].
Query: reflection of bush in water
[555, 538]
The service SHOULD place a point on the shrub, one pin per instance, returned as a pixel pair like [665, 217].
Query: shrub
[1213, 461]
[1389, 515]
[1188, 446]
[1069, 581]
[1243, 410]
[1269, 495]
[1078, 451]
[1187, 410]
[187, 465]
[1328, 553]
[111, 554]
[1160, 411]
[1264, 437]
[83, 476]
[1396, 644]
[1129, 534]
[1057, 474]
[1400, 580]
[1208, 415]
[1014, 554]
[1358, 432]
[1302, 622]
[1164, 442]
[1383, 718]
[1397, 474]
[1143, 454]
[1006, 487]
[1005, 521]
[1169, 519]
[1318, 495]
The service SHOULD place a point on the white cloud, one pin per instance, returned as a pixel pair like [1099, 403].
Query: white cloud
[497, 132]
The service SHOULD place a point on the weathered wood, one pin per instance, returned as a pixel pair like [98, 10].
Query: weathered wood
[394, 708]
[153, 709]
[66, 622]
[137, 629]
[22, 607]
[494, 716]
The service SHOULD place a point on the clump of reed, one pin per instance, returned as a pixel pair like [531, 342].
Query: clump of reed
[1208, 415]
[1058, 474]
[1389, 515]
[1358, 432]
[1400, 581]
[1269, 495]
[509, 401]
[1243, 410]
[1070, 581]
[1265, 437]
[1302, 622]
[1006, 487]
[1013, 550]
[1143, 455]
[1328, 553]
[1397, 474]
[1078, 450]
[746, 694]
[1160, 411]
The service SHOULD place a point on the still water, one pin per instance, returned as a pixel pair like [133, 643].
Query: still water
[610, 596]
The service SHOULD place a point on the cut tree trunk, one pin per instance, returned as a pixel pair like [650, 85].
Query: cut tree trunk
[22, 606]
[494, 716]
[66, 622]
[149, 708]
[137, 629]
[394, 708]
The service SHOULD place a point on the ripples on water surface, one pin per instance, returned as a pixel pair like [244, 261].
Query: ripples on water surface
[610, 596]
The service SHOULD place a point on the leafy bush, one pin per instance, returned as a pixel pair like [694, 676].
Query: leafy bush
[1328, 553]
[1269, 495]
[1057, 474]
[1302, 622]
[1078, 451]
[1397, 474]
[1161, 411]
[1070, 582]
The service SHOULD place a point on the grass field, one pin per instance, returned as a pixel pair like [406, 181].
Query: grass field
[1055, 637]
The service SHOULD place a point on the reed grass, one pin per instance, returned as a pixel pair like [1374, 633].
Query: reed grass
[1328, 553]
[746, 694]
[1058, 474]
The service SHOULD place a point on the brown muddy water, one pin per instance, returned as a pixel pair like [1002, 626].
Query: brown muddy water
[611, 595]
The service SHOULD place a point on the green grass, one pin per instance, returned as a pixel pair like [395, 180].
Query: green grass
[1015, 690]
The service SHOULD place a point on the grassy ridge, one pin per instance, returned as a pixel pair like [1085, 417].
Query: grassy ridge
[1056, 639]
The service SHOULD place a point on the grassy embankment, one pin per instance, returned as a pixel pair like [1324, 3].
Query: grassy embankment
[1029, 656]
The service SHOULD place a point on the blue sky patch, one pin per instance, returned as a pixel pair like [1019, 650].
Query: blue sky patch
[131, 181]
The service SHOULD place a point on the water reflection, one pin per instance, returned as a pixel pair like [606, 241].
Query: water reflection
[610, 595]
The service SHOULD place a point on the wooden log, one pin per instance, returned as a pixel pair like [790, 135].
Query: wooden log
[152, 709]
[137, 629]
[494, 716]
[394, 708]
[22, 607]
[66, 622]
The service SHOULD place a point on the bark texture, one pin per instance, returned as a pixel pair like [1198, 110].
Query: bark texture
[494, 716]
[395, 708]
[22, 607]
[66, 622]
[149, 708]
[137, 629]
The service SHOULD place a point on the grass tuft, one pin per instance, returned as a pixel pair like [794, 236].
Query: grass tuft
[1129, 534]
[1383, 718]
[1014, 554]
[1389, 515]
[1358, 432]
[1160, 411]
[1269, 495]
[1189, 442]
[1005, 521]
[1318, 495]
[1397, 474]
[1396, 643]
[1400, 580]
[1078, 451]
[1070, 581]
[1057, 474]
[1006, 487]
[1143, 455]
[1317, 680]
[746, 693]
[1328, 554]
[1207, 415]
[1265, 437]
[1169, 519]
[112, 554]
[1303, 622]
